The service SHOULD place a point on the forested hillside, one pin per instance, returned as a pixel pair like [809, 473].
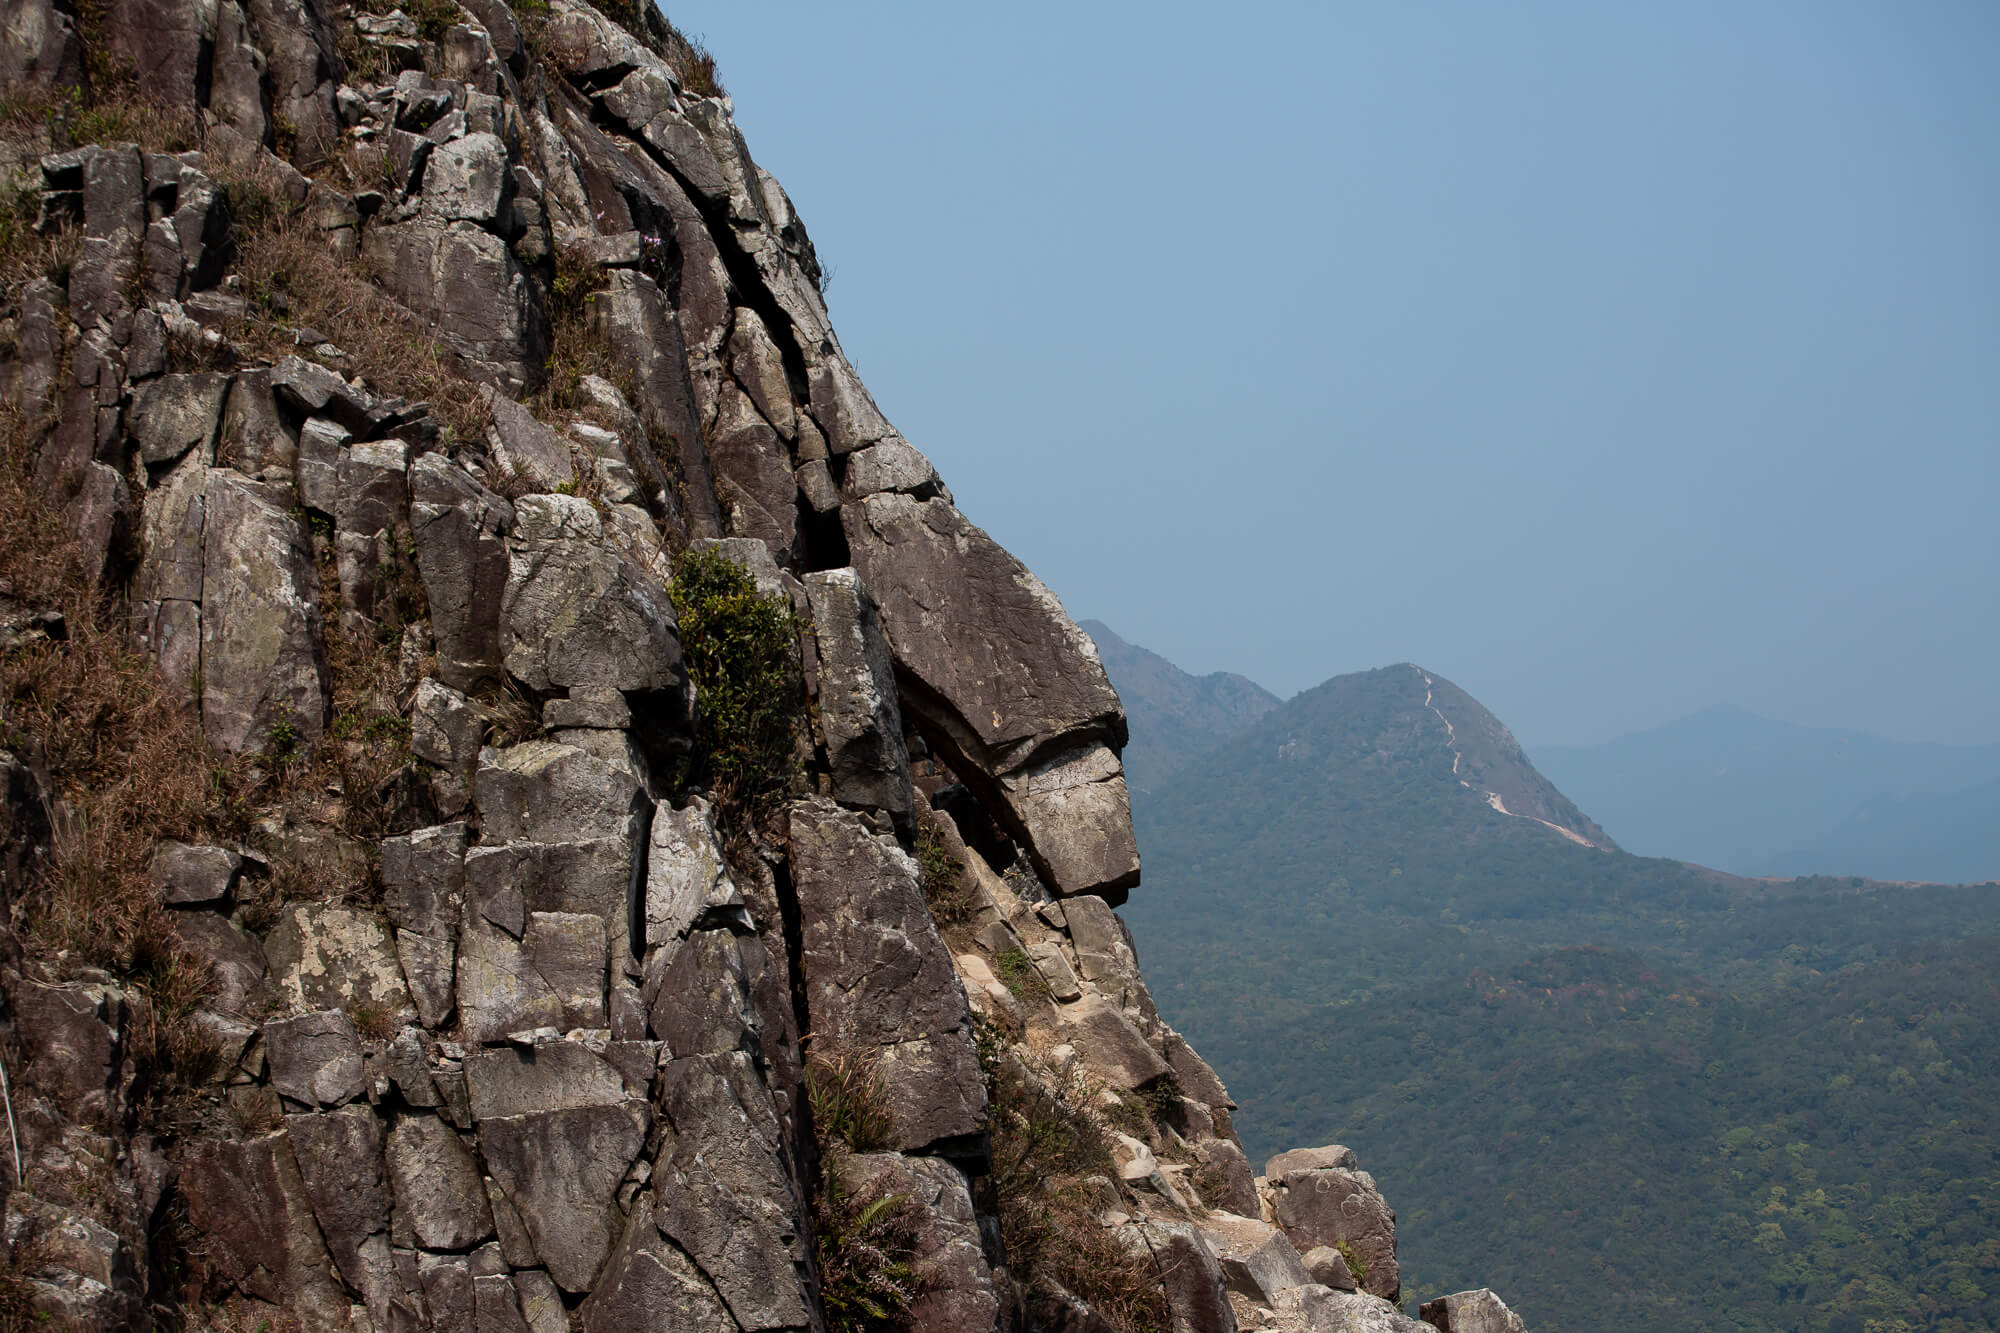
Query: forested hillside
[1592, 1070]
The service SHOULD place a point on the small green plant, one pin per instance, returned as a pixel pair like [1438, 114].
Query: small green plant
[1356, 1265]
[942, 876]
[866, 1245]
[1017, 973]
[281, 742]
[741, 651]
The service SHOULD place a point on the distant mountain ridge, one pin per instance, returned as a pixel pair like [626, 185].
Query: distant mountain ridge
[1388, 928]
[1754, 796]
[1174, 717]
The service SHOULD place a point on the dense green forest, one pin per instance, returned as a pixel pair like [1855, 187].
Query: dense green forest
[1625, 1092]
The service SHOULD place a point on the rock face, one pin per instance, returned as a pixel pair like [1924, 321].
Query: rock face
[458, 1008]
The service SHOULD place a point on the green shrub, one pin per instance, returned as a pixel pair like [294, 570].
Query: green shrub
[741, 651]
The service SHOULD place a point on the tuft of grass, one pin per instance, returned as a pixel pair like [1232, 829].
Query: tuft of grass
[845, 1095]
[740, 647]
[942, 876]
[292, 279]
[1018, 974]
[126, 754]
[1046, 1148]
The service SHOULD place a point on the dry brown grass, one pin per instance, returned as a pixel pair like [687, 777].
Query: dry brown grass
[126, 753]
[293, 279]
[1046, 1147]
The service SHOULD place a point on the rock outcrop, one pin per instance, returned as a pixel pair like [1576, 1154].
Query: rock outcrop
[466, 1000]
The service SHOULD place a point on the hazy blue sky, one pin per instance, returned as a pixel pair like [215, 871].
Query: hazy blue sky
[1612, 360]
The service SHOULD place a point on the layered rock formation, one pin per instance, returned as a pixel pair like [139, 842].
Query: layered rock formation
[549, 1039]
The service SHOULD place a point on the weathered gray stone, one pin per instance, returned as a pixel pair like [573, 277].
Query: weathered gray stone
[340, 1161]
[545, 791]
[174, 414]
[753, 472]
[322, 444]
[892, 465]
[555, 1076]
[1104, 954]
[1025, 704]
[1055, 971]
[499, 990]
[468, 282]
[1225, 1175]
[579, 614]
[458, 528]
[71, 1268]
[254, 435]
[1190, 1277]
[649, 1284]
[193, 876]
[373, 504]
[262, 666]
[635, 319]
[327, 957]
[1257, 1261]
[467, 179]
[447, 1283]
[440, 1197]
[570, 953]
[1108, 1044]
[724, 1193]
[315, 1058]
[74, 1035]
[1478, 1311]
[1329, 1268]
[594, 708]
[409, 1068]
[879, 981]
[701, 994]
[1317, 1309]
[39, 47]
[1339, 1207]
[251, 1206]
[445, 730]
[1311, 1159]
[524, 448]
[687, 879]
[234, 957]
[858, 711]
[562, 1170]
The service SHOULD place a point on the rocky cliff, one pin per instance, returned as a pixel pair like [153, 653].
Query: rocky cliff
[528, 806]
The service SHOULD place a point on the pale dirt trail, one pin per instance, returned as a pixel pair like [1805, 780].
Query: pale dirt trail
[1492, 797]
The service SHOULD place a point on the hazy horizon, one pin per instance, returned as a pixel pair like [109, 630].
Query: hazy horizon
[1611, 363]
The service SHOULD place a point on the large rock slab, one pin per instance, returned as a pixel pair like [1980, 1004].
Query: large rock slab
[1010, 687]
[315, 1058]
[466, 280]
[859, 715]
[458, 528]
[441, 1200]
[329, 957]
[724, 1193]
[879, 981]
[250, 1203]
[579, 614]
[1339, 1207]
[263, 671]
[1478, 1311]
[561, 1170]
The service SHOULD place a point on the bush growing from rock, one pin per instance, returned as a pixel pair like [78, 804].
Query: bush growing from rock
[740, 647]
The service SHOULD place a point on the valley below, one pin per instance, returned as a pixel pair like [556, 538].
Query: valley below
[1641, 1093]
